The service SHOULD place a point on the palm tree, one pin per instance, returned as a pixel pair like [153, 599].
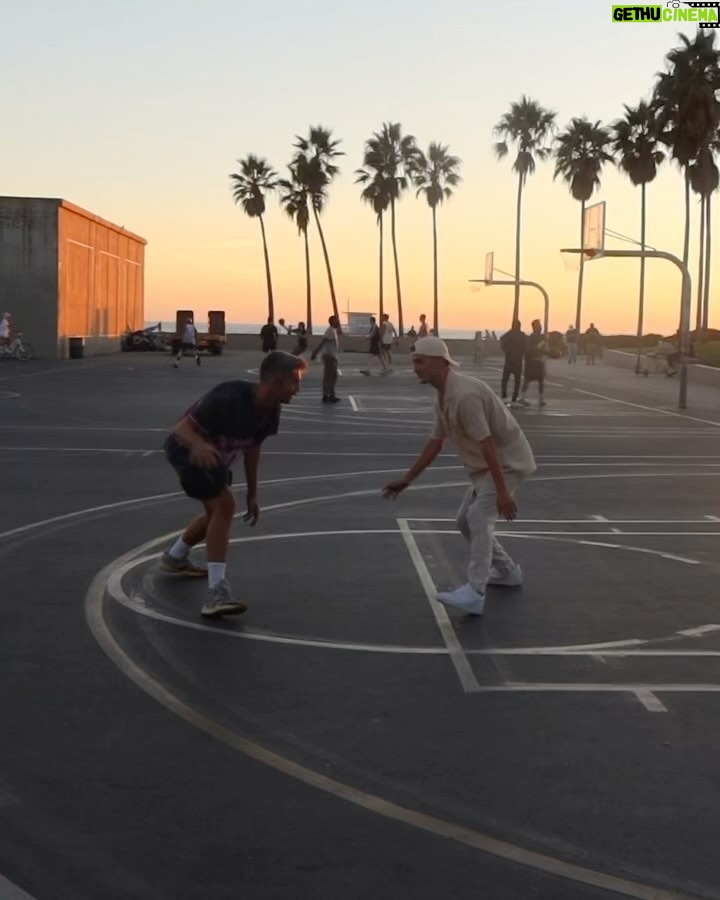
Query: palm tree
[294, 200]
[688, 112]
[581, 152]
[704, 177]
[376, 192]
[636, 141]
[250, 185]
[314, 161]
[393, 154]
[435, 175]
[528, 126]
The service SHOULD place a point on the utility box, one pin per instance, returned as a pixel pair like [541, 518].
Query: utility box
[66, 273]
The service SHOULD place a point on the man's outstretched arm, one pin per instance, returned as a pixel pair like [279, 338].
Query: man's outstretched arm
[427, 457]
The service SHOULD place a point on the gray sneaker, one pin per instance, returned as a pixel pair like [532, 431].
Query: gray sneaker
[220, 602]
[185, 566]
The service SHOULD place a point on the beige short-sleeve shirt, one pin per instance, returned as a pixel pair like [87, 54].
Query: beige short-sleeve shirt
[471, 412]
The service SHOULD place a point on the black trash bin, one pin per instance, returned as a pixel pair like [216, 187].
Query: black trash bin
[76, 347]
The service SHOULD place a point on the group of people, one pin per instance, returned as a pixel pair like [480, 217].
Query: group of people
[592, 344]
[381, 343]
[235, 418]
[524, 362]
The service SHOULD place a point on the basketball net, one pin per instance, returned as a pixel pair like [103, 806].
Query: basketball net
[571, 261]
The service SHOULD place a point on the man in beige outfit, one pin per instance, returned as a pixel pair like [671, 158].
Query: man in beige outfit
[497, 459]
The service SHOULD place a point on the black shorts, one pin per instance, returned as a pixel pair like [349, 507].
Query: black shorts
[535, 370]
[197, 482]
[185, 346]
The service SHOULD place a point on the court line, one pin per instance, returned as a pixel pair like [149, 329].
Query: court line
[655, 409]
[450, 639]
[353, 403]
[372, 802]
[10, 891]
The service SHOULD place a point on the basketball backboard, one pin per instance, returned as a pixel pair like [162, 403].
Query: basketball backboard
[489, 267]
[594, 230]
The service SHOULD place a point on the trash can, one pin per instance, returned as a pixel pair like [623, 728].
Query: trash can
[76, 347]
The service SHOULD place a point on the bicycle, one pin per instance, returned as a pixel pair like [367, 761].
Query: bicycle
[17, 348]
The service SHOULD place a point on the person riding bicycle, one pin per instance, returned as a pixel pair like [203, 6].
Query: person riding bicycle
[5, 329]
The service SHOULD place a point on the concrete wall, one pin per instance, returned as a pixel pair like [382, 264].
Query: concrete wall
[28, 268]
[101, 280]
[457, 347]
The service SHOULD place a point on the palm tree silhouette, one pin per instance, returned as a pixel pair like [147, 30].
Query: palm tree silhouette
[636, 142]
[376, 193]
[704, 177]
[315, 162]
[434, 176]
[249, 186]
[581, 152]
[684, 97]
[528, 126]
[294, 200]
[393, 154]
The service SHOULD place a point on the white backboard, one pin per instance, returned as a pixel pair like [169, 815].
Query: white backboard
[489, 266]
[594, 229]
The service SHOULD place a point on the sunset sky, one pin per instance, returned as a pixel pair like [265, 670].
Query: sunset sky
[139, 111]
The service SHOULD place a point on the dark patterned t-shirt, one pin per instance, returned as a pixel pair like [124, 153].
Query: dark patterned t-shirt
[229, 419]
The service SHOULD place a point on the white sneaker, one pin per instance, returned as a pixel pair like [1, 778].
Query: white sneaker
[464, 598]
[513, 578]
[515, 404]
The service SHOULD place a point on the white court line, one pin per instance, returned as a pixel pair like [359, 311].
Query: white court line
[650, 701]
[353, 403]
[10, 891]
[586, 522]
[320, 781]
[457, 654]
[597, 518]
[699, 632]
[655, 409]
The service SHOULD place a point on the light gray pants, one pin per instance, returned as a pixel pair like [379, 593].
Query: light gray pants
[476, 521]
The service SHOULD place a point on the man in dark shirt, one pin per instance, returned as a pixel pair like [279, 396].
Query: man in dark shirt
[535, 364]
[234, 417]
[269, 336]
[514, 344]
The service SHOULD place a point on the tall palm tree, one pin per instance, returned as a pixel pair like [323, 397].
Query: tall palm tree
[376, 192]
[581, 152]
[684, 97]
[528, 126]
[636, 142]
[393, 154]
[315, 161]
[704, 177]
[434, 176]
[294, 200]
[250, 185]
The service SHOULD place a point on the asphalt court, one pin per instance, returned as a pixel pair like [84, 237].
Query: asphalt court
[562, 744]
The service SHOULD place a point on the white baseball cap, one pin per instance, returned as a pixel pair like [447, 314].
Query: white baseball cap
[433, 346]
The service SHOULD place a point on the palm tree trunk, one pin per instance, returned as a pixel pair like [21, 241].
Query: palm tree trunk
[581, 272]
[381, 295]
[708, 260]
[271, 302]
[435, 273]
[701, 266]
[516, 305]
[397, 267]
[686, 244]
[641, 299]
[308, 313]
[333, 298]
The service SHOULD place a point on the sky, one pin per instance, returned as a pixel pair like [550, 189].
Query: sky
[139, 112]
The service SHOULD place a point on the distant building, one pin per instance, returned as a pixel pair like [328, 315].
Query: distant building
[66, 273]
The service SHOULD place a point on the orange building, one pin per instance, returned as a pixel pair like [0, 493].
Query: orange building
[66, 273]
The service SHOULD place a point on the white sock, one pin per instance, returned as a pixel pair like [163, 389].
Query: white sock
[179, 549]
[216, 573]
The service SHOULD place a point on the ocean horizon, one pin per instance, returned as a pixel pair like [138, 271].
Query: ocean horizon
[254, 328]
